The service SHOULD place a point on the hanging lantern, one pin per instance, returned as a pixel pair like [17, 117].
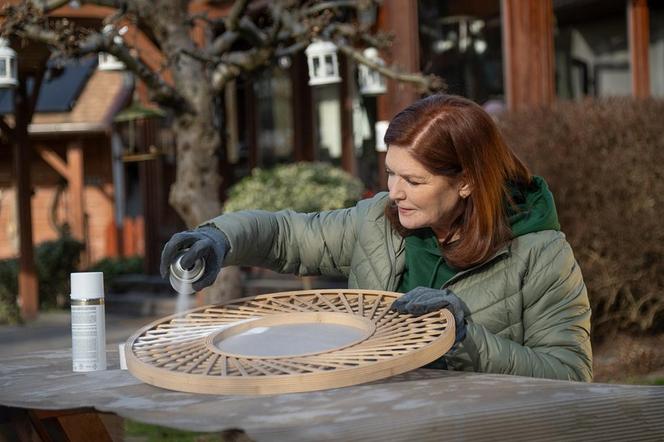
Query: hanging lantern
[371, 81]
[8, 66]
[108, 62]
[380, 129]
[323, 63]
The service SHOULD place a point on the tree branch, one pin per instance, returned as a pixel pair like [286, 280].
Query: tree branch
[424, 83]
[332, 4]
[234, 63]
[252, 33]
[292, 49]
[201, 56]
[288, 21]
[222, 43]
[70, 45]
[237, 11]
[46, 6]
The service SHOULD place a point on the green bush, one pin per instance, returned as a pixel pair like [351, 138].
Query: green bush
[114, 267]
[603, 161]
[9, 312]
[303, 187]
[54, 261]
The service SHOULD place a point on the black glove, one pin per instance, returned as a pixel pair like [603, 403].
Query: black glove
[206, 242]
[423, 300]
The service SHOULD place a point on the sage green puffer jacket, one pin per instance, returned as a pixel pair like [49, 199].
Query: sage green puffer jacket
[528, 310]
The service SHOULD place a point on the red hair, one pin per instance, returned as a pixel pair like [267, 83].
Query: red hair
[452, 136]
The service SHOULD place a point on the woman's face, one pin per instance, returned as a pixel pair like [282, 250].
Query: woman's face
[422, 198]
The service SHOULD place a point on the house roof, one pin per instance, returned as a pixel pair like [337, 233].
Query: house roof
[82, 99]
[103, 96]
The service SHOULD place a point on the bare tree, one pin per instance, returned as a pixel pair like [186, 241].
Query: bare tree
[250, 37]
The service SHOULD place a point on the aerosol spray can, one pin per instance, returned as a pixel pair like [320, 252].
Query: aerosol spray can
[88, 327]
[182, 279]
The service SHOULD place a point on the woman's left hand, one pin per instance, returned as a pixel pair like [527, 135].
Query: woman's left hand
[423, 300]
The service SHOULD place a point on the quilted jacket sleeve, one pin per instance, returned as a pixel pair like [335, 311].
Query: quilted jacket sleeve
[556, 324]
[291, 242]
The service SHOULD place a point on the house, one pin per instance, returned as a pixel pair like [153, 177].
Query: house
[502, 53]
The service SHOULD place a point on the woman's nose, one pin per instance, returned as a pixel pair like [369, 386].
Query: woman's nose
[396, 190]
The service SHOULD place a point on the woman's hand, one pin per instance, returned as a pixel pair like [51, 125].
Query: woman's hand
[423, 300]
[208, 243]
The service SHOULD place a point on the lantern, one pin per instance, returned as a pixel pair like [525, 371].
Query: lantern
[108, 62]
[8, 67]
[323, 63]
[371, 81]
[461, 32]
[381, 129]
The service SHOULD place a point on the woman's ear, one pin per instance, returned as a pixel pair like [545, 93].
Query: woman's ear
[465, 190]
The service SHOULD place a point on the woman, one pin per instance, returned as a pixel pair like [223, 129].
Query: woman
[464, 226]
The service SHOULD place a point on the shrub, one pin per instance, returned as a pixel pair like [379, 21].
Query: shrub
[303, 187]
[114, 267]
[9, 313]
[603, 161]
[54, 261]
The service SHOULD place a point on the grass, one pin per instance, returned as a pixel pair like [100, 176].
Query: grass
[138, 431]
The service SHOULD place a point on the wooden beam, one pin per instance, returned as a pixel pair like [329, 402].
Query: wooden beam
[398, 17]
[638, 29]
[75, 425]
[76, 186]
[528, 48]
[302, 108]
[28, 286]
[251, 125]
[348, 161]
[54, 160]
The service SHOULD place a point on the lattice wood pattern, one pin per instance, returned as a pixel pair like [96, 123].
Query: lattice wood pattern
[179, 352]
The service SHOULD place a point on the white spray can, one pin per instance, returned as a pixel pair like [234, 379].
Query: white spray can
[88, 327]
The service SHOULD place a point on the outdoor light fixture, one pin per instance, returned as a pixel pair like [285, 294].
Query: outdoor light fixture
[108, 62]
[8, 65]
[323, 63]
[380, 129]
[285, 62]
[371, 81]
[461, 32]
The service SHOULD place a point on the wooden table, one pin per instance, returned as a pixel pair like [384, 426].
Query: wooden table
[420, 405]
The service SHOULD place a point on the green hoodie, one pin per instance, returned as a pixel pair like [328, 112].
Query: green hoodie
[425, 265]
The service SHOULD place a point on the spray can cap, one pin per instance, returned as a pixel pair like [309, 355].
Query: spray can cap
[87, 285]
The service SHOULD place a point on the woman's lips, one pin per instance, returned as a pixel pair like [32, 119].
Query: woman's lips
[404, 211]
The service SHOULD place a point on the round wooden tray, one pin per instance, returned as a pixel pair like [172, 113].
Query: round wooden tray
[186, 352]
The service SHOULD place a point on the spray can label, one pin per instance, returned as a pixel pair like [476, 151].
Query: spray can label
[88, 333]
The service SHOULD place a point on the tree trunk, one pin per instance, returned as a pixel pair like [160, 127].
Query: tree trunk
[195, 193]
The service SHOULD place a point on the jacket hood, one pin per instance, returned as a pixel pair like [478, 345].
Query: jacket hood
[535, 208]
[533, 211]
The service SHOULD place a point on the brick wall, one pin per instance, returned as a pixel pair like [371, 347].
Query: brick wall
[98, 197]
[99, 215]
